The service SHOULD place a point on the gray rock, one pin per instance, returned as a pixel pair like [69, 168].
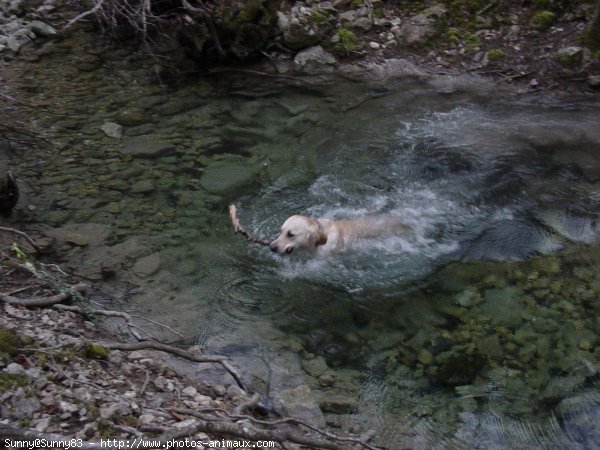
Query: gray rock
[146, 419]
[347, 16]
[190, 391]
[146, 148]
[300, 403]
[503, 305]
[15, 369]
[142, 187]
[41, 29]
[23, 408]
[363, 23]
[579, 229]
[338, 404]
[14, 43]
[226, 179]
[468, 297]
[132, 117]
[119, 409]
[111, 129]
[305, 26]
[315, 367]
[314, 59]
[420, 29]
[593, 81]
[92, 234]
[146, 266]
[569, 55]
[42, 425]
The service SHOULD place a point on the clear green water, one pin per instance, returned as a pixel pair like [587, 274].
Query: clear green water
[478, 329]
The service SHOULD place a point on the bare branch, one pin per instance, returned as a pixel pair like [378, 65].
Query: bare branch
[238, 228]
[95, 9]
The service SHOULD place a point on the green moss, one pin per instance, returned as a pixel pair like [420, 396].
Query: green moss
[319, 17]
[453, 36]
[356, 3]
[472, 41]
[95, 351]
[9, 342]
[495, 54]
[543, 19]
[105, 430]
[348, 40]
[9, 381]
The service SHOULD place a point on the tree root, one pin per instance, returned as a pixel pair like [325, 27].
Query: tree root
[274, 423]
[23, 235]
[222, 360]
[238, 228]
[45, 301]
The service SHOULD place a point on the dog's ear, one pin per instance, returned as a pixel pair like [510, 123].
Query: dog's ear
[321, 238]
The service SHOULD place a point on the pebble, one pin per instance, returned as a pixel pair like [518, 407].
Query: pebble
[374, 45]
[15, 369]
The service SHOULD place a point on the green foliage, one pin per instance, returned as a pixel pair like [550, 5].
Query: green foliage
[9, 381]
[356, 3]
[319, 17]
[543, 20]
[348, 40]
[453, 36]
[592, 34]
[456, 36]
[377, 13]
[495, 54]
[472, 42]
[95, 351]
[557, 6]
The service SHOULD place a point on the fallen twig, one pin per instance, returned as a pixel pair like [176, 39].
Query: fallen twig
[181, 353]
[238, 228]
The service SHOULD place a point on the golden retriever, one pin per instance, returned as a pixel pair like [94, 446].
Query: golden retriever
[327, 235]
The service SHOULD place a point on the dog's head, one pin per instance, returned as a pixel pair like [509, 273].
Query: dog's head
[299, 233]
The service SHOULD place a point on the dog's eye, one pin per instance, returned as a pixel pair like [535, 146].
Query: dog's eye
[290, 234]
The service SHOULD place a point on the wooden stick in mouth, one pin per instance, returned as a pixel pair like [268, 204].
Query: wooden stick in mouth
[238, 228]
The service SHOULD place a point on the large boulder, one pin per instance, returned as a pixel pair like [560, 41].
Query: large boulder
[314, 59]
[304, 26]
[420, 29]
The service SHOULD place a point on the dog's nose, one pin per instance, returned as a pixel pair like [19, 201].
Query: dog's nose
[273, 247]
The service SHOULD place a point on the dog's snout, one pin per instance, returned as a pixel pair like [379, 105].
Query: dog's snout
[273, 247]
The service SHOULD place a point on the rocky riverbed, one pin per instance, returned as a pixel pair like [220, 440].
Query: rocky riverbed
[130, 194]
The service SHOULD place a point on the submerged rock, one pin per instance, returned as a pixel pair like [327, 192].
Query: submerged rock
[111, 129]
[226, 179]
[504, 306]
[146, 266]
[146, 148]
[300, 403]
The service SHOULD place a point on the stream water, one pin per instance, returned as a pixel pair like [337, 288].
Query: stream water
[477, 329]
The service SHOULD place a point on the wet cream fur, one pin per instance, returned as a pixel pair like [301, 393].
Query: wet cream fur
[326, 235]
